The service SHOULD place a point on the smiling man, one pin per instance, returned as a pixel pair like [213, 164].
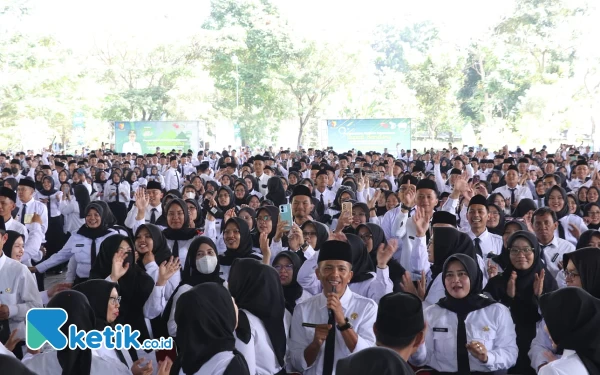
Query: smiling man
[343, 320]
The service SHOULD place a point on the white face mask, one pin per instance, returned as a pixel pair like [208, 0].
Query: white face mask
[190, 195]
[207, 264]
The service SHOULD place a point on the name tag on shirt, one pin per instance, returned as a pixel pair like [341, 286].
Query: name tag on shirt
[436, 329]
[554, 257]
[79, 245]
[28, 218]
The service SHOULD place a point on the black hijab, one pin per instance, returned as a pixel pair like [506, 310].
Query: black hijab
[100, 231]
[256, 288]
[254, 182]
[160, 248]
[396, 270]
[134, 287]
[293, 291]
[231, 198]
[276, 192]
[498, 229]
[572, 316]
[374, 361]
[241, 201]
[586, 211]
[273, 212]
[585, 238]
[52, 190]
[107, 215]
[337, 203]
[82, 196]
[447, 242]
[523, 207]
[578, 210]
[322, 232]
[565, 210]
[191, 275]
[98, 294]
[474, 300]
[503, 259]
[362, 266]
[13, 366]
[244, 250]
[206, 319]
[10, 241]
[587, 263]
[185, 232]
[199, 222]
[79, 313]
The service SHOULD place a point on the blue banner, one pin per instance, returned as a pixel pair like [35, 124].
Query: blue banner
[369, 134]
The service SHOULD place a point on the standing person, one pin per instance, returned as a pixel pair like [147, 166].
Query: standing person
[117, 195]
[73, 209]
[260, 333]
[513, 191]
[573, 319]
[206, 319]
[262, 179]
[524, 278]
[451, 347]
[316, 350]
[147, 206]
[173, 176]
[52, 198]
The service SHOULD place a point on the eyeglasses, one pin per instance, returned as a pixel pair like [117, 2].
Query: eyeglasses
[114, 300]
[570, 274]
[287, 267]
[366, 237]
[517, 251]
[593, 213]
[309, 234]
[459, 274]
[264, 218]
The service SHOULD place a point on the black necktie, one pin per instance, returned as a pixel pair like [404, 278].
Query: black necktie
[477, 242]
[329, 188]
[176, 249]
[321, 206]
[23, 214]
[461, 345]
[153, 216]
[121, 357]
[93, 252]
[117, 192]
[329, 347]
[512, 196]
[48, 205]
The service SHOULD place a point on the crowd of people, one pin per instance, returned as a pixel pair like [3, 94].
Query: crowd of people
[457, 261]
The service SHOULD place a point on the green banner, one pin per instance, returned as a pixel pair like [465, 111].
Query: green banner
[145, 136]
[369, 134]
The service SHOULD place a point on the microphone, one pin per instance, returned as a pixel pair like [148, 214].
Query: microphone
[331, 317]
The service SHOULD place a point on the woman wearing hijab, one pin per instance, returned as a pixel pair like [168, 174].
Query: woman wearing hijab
[498, 200]
[467, 332]
[206, 319]
[201, 266]
[178, 233]
[524, 279]
[496, 220]
[589, 238]
[591, 212]
[140, 300]
[240, 189]
[155, 176]
[253, 201]
[73, 361]
[573, 204]
[582, 270]
[372, 235]
[252, 185]
[14, 246]
[267, 220]
[152, 250]
[570, 226]
[287, 264]
[103, 297]
[73, 209]
[52, 198]
[83, 246]
[593, 194]
[196, 215]
[260, 334]
[573, 320]
[276, 192]
[117, 194]
[99, 184]
[237, 243]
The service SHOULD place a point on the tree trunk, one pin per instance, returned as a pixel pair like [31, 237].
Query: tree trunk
[300, 131]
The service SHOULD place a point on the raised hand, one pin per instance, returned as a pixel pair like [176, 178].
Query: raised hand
[264, 248]
[492, 269]
[511, 288]
[409, 192]
[386, 252]
[421, 220]
[167, 269]
[373, 201]
[118, 269]
[538, 283]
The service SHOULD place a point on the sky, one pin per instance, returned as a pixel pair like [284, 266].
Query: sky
[79, 24]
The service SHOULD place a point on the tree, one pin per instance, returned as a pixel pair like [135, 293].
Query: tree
[312, 74]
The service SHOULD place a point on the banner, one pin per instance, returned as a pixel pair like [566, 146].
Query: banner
[369, 134]
[143, 137]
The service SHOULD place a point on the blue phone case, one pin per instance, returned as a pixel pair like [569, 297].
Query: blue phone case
[285, 214]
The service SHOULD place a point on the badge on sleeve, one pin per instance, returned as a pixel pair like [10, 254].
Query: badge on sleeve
[486, 329]
[354, 316]
[7, 290]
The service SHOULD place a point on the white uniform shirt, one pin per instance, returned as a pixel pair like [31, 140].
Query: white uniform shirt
[328, 197]
[568, 220]
[54, 202]
[173, 179]
[130, 221]
[361, 312]
[439, 180]
[258, 351]
[32, 207]
[18, 290]
[553, 254]
[214, 366]
[124, 192]
[540, 345]
[70, 211]
[569, 364]
[521, 192]
[492, 326]
[47, 363]
[262, 183]
[490, 243]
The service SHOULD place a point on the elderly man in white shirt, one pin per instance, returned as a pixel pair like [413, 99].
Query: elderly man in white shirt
[341, 322]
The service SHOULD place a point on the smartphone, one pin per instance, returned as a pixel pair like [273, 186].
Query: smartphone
[347, 207]
[285, 214]
[358, 171]
[476, 179]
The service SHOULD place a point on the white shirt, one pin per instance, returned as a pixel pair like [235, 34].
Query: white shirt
[568, 220]
[33, 240]
[33, 206]
[540, 345]
[569, 364]
[521, 192]
[262, 183]
[173, 179]
[130, 221]
[492, 326]
[54, 202]
[70, 211]
[258, 351]
[18, 290]
[328, 197]
[47, 363]
[361, 312]
[490, 243]
[132, 147]
[439, 180]
[553, 254]
[124, 191]
[214, 366]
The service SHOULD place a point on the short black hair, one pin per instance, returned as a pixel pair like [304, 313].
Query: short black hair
[542, 212]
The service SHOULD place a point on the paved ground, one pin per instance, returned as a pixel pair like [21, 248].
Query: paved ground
[52, 279]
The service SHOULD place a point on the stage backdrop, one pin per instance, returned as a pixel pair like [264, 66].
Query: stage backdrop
[146, 136]
[368, 134]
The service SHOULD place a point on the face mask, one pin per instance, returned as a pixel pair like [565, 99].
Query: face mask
[207, 264]
[190, 195]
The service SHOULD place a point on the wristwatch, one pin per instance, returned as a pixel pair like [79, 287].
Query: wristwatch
[403, 207]
[345, 326]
